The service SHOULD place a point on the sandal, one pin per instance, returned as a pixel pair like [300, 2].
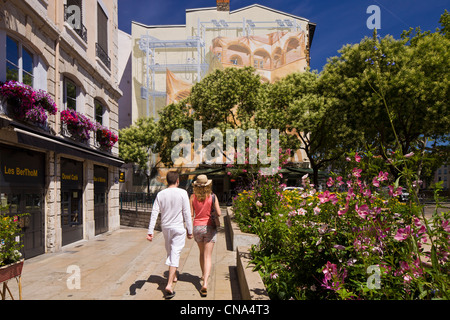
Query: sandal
[203, 292]
[169, 295]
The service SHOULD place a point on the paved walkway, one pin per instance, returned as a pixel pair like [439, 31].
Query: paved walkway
[123, 265]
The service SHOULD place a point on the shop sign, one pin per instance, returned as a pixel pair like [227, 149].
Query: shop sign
[21, 167]
[71, 174]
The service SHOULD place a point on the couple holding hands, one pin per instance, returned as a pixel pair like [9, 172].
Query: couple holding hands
[198, 214]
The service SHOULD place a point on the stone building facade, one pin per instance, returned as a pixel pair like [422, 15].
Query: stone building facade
[66, 182]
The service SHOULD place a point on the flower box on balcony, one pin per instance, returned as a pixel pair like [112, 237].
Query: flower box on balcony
[76, 125]
[23, 103]
[105, 138]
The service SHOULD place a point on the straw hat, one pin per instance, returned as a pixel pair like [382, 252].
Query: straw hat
[202, 181]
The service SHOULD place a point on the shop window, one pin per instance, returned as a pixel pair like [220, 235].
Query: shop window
[19, 62]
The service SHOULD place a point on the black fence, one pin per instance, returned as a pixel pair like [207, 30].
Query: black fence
[139, 201]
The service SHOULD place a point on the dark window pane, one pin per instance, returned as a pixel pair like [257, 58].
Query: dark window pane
[71, 95]
[12, 72]
[12, 51]
[27, 61]
[98, 112]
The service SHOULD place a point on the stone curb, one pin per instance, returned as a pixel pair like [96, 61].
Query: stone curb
[250, 282]
[238, 238]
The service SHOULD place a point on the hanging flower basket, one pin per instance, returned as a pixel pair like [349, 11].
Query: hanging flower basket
[11, 271]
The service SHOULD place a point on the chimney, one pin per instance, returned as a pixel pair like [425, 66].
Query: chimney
[223, 5]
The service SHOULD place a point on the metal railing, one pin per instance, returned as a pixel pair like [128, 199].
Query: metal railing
[103, 56]
[138, 201]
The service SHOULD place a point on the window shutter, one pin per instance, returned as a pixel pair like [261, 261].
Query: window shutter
[102, 29]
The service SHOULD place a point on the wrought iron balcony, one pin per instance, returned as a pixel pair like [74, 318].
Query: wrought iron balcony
[103, 56]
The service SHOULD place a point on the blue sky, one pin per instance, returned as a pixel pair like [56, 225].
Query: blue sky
[338, 22]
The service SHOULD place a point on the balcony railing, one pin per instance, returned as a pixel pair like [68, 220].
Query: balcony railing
[103, 56]
[80, 29]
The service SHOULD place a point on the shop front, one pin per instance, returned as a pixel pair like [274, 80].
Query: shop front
[22, 188]
[71, 200]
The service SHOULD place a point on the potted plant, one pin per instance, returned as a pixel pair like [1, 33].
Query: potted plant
[11, 260]
[77, 124]
[105, 137]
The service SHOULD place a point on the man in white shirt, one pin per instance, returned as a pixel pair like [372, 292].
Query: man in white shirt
[173, 204]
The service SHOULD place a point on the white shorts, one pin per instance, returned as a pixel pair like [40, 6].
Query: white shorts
[175, 240]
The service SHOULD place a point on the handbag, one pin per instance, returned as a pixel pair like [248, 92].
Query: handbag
[214, 216]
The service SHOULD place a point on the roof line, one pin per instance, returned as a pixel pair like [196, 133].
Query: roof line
[270, 9]
[158, 25]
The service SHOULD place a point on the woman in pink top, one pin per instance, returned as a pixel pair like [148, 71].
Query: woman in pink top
[204, 228]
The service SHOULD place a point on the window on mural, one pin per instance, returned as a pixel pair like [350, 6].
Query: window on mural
[259, 64]
[19, 62]
[70, 94]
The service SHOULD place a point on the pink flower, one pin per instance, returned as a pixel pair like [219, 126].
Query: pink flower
[357, 157]
[382, 176]
[402, 233]
[409, 155]
[356, 172]
[317, 210]
[327, 196]
[330, 182]
[350, 194]
[323, 197]
[395, 193]
[362, 211]
[446, 226]
[375, 182]
[343, 210]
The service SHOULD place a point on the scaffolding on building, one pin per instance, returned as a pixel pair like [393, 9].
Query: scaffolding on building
[149, 45]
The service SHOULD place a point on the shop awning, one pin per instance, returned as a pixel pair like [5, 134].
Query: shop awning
[39, 139]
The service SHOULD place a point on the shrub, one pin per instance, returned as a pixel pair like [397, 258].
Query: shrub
[10, 246]
[361, 243]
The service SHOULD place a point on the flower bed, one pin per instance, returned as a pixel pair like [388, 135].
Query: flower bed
[26, 104]
[354, 240]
